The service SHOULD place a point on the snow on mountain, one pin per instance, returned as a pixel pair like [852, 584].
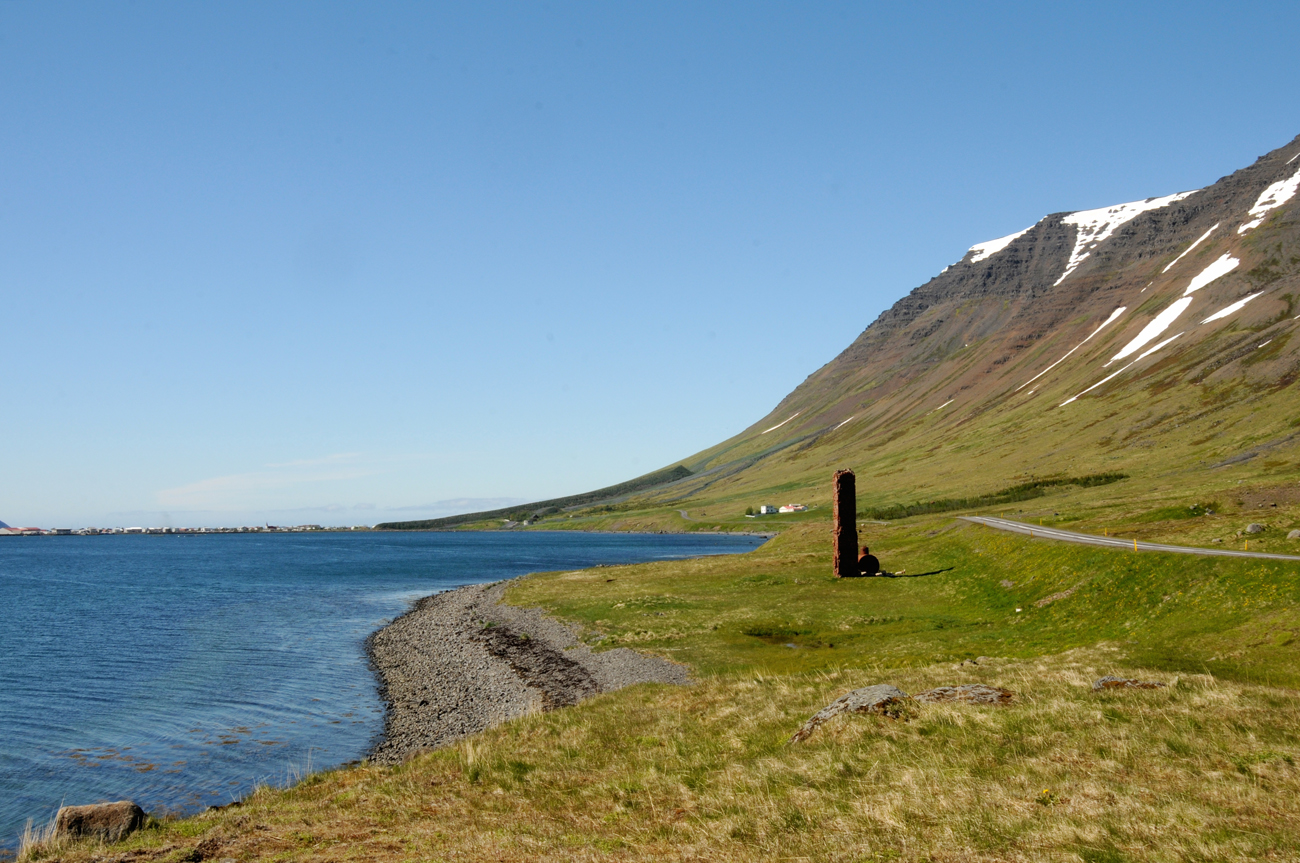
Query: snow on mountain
[1271, 198]
[1113, 375]
[1095, 227]
[1235, 307]
[1199, 240]
[1113, 315]
[1221, 267]
[986, 250]
[778, 425]
[1152, 330]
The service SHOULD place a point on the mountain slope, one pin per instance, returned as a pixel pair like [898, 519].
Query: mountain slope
[1141, 337]
[1152, 338]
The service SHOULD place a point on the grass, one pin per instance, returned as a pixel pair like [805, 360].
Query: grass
[1201, 770]
[1204, 769]
[35, 842]
[1014, 494]
[1216, 615]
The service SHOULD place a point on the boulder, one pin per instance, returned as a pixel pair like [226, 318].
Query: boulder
[1295, 534]
[107, 822]
[1254, 527]
[1124, 683]
[882, 699]
[970, 693]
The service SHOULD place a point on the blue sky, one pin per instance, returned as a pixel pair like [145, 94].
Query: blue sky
[342, 263]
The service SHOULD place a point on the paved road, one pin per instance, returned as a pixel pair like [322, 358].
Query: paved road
[1112, 541]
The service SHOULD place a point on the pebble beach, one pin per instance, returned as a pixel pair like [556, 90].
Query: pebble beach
[461, 661]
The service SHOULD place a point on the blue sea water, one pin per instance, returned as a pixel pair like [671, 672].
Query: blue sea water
[180, 671]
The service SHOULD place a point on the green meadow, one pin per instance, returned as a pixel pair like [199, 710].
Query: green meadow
[1204, 768]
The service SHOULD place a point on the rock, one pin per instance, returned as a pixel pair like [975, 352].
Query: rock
[1295, 534]
[107, 822]
[1254, 527]
[844, 503]
[1125, 683]
[881, 699]
[970, 693]
[205, 850]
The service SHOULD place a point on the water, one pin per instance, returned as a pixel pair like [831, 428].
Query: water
[180, 671]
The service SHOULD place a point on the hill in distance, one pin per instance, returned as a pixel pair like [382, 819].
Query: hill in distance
[1150, 338]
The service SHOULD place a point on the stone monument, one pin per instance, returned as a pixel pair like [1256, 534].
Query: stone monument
[844, 503]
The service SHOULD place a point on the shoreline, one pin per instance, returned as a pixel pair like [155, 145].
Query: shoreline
[461, 661]
[765, 534]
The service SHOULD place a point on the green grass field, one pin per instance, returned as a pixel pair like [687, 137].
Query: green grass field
[1204, 769]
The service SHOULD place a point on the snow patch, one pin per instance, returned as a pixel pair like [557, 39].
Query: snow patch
[1113, 375]
[984, 251]
[1097, 226]
[1150, 351]
[1189, 248]
[1155, 328]
[1293, 158]
[781, 423]
[1221, 267]
[1227, 310]
[846, 422]
[1270, 199]
[1113, 315]
[942, 406]
[1265, 343]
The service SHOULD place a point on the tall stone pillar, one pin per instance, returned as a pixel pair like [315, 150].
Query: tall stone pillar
[844, 503]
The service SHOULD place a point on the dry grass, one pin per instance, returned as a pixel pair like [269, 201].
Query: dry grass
[1202, 770]
[35, 842]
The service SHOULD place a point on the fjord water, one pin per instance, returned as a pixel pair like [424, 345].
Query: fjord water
[179, 671]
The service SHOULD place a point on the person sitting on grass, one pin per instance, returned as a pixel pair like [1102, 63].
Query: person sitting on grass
[868, 565]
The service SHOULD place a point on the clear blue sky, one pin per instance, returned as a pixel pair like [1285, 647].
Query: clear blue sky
[343, 263]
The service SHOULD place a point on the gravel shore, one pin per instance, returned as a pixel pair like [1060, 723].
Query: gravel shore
[461, 661]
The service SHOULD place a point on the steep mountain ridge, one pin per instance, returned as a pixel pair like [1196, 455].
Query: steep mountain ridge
[1054, 305]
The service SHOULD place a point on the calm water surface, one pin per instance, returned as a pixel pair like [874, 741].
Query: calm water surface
[180, 671]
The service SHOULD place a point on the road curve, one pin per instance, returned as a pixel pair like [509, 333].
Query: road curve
[1039, 532]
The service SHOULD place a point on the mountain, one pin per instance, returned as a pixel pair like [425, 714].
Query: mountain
[1151, 338]
[3, 526]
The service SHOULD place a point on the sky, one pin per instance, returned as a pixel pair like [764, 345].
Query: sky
[345, 263]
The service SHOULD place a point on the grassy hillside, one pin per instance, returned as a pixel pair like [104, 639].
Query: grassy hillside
[1001, 372]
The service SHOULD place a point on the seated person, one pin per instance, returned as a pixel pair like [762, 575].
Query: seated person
[867, 563]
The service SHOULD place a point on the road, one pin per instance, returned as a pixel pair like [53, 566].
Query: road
[1037, 531]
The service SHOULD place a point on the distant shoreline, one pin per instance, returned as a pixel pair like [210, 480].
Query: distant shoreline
[227, 531]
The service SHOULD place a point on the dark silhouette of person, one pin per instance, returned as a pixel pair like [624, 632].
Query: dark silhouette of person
[867, 563]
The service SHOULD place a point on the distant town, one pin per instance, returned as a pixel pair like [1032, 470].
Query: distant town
[104, 531]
